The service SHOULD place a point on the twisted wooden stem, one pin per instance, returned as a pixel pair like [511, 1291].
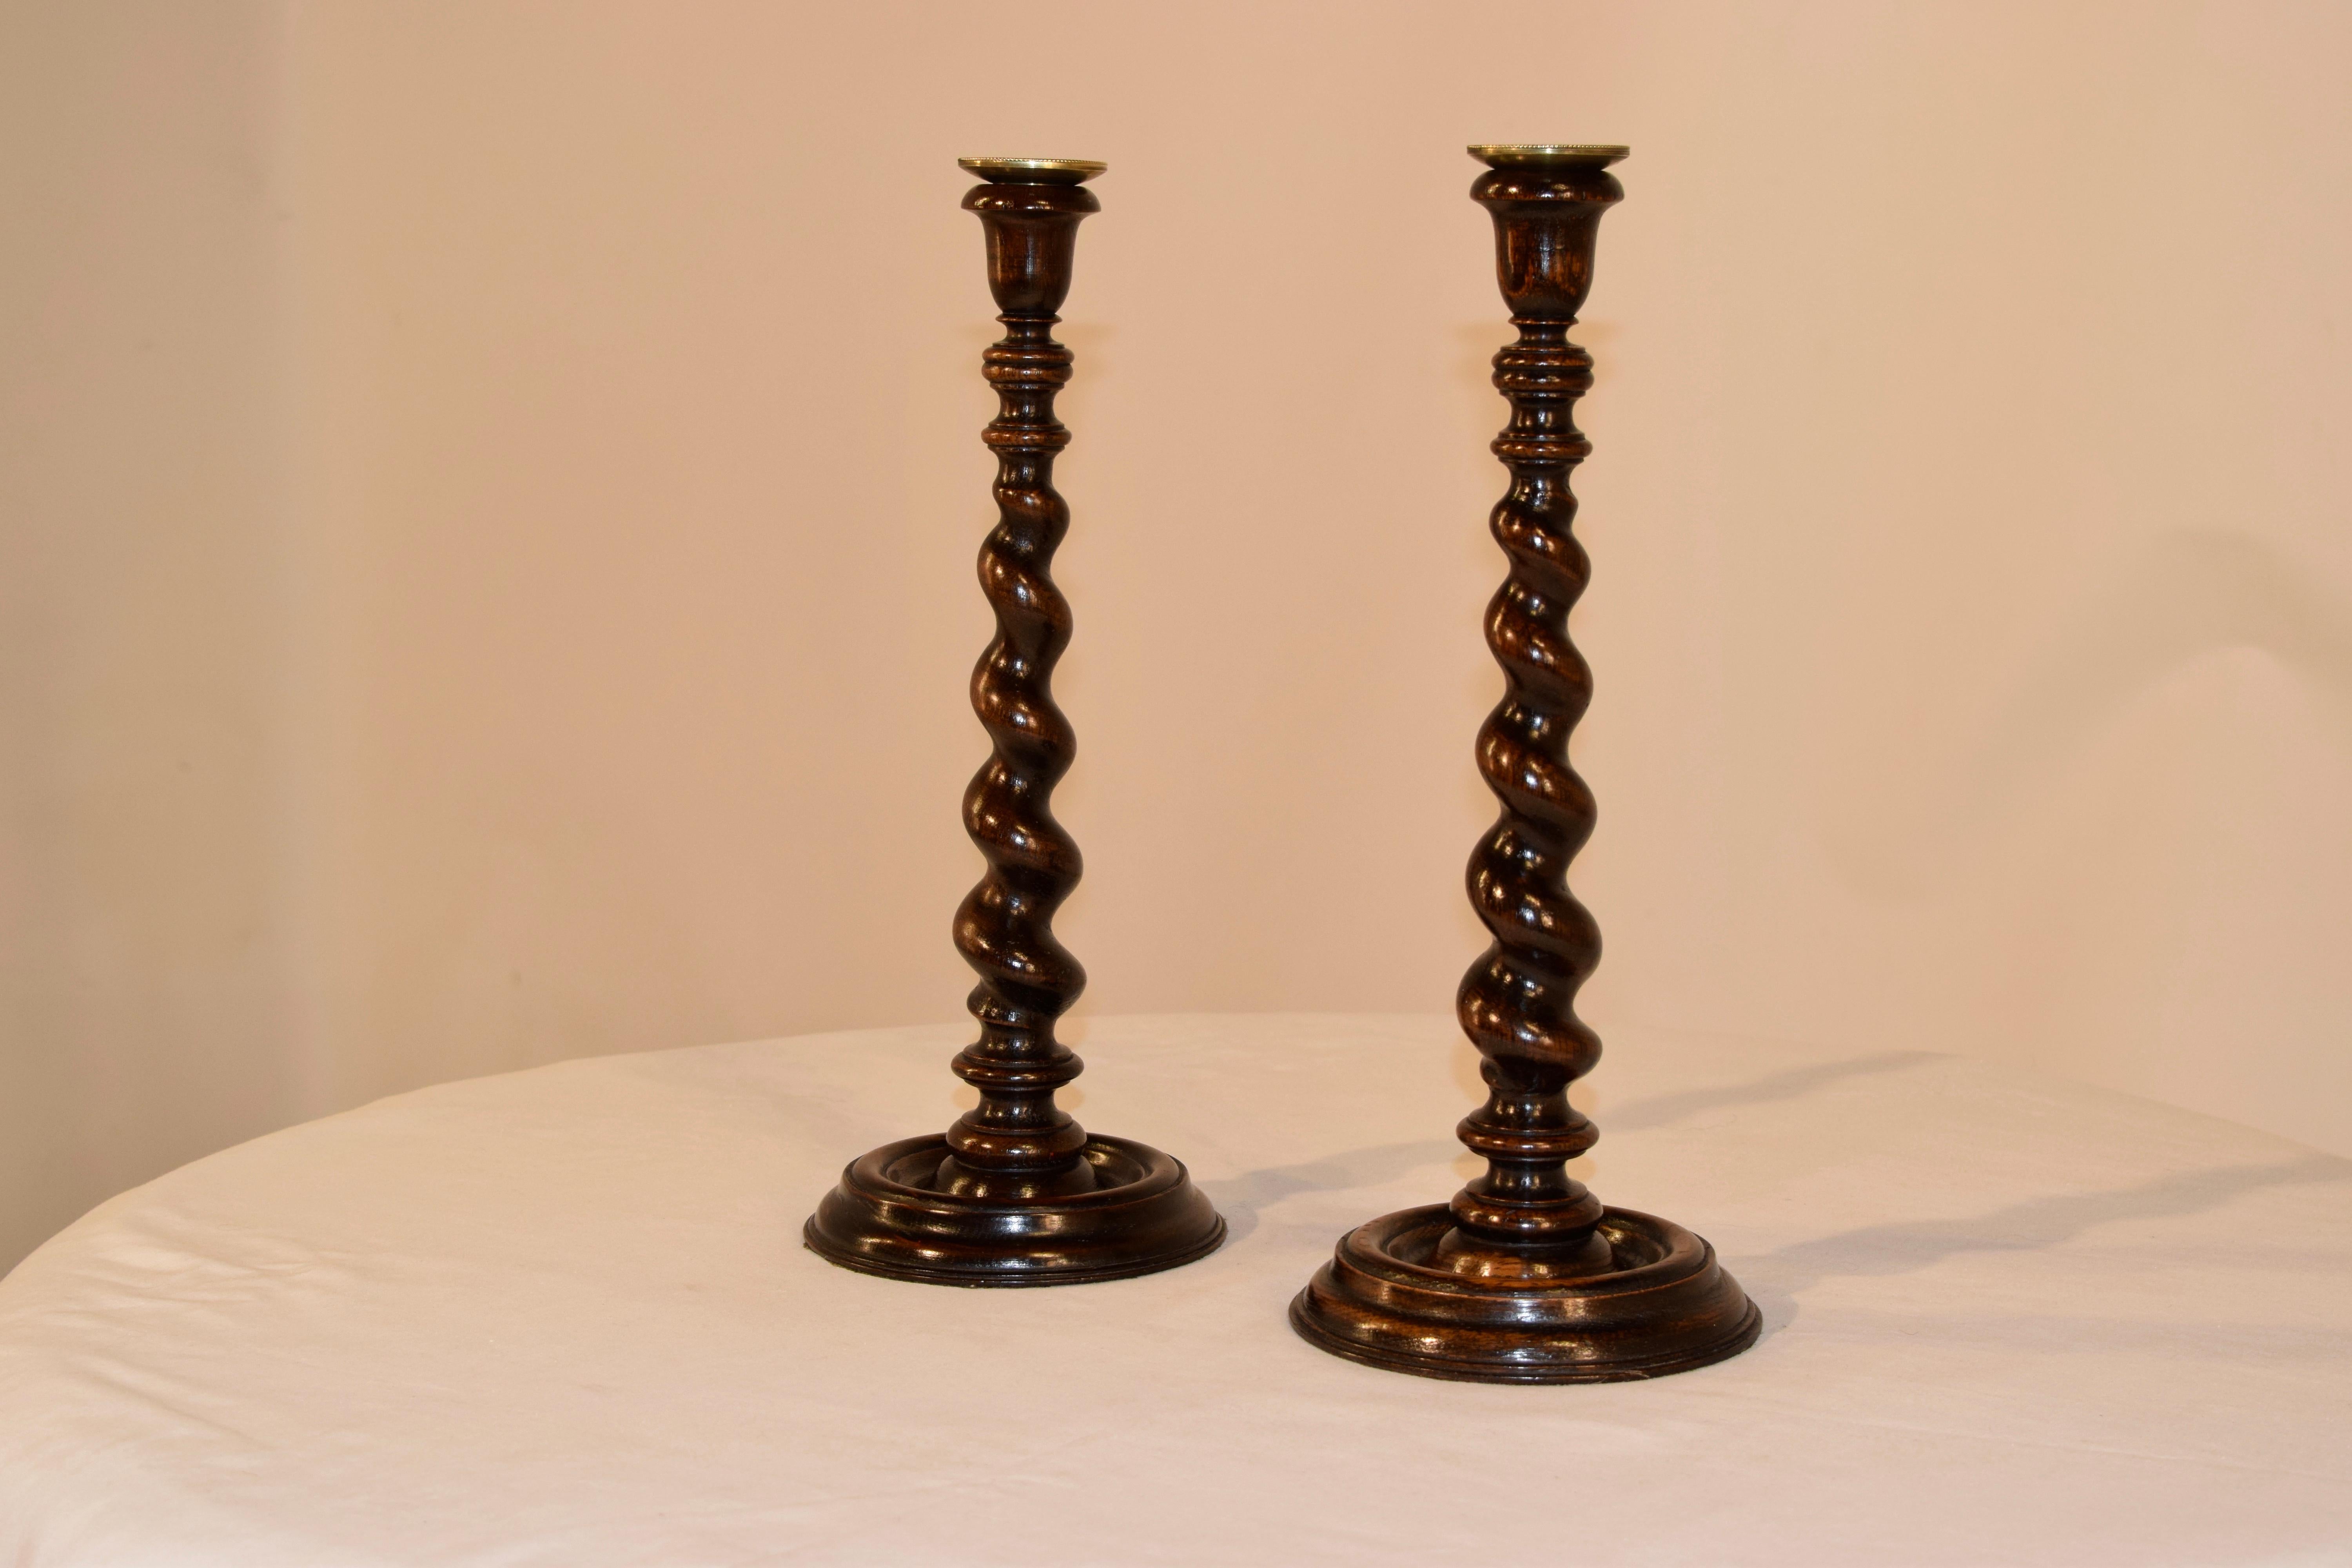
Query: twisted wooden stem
[1017, 1141]
[1524, 1276]
[1524, 1218]
[1016, 1193]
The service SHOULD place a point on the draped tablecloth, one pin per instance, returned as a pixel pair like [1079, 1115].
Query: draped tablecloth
[563, 1317]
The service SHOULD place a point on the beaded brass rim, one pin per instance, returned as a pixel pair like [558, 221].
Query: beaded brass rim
[1053, 170]
[1498, 154]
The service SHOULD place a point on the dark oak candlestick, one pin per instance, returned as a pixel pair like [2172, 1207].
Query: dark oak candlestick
[1524, 1276]
[1017, 1193]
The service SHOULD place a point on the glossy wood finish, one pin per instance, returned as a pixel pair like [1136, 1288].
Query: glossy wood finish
[1524, 1276]
[1017, 1193]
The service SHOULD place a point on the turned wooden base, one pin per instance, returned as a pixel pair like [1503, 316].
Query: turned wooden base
[1663, 1305]
[889, 1215]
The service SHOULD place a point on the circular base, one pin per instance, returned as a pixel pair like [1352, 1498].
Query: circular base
[888, 1218]
[1663, 1306]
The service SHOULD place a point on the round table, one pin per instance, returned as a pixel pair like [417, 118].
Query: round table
[563, 1317]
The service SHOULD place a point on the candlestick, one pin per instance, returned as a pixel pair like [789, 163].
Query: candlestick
[1017, 1193]
[1525, 1277]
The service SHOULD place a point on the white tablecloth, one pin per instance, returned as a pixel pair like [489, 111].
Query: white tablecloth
[563, 1317]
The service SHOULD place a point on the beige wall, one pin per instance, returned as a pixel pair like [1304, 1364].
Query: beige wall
[491, 491]
[149, 994]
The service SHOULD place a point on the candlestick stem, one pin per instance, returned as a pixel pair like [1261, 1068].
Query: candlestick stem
[1017, 1193]
[1524, 1276]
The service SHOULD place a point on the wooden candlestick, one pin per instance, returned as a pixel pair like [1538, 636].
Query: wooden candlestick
[1524, 1276]
[1017, 1193]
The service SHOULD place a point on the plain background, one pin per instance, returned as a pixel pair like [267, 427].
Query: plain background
[487, 494]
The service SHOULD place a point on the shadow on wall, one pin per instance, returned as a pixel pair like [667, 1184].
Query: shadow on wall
[1909, 815]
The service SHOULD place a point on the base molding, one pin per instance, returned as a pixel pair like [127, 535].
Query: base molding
[1664, 1306]
[888, 1217]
